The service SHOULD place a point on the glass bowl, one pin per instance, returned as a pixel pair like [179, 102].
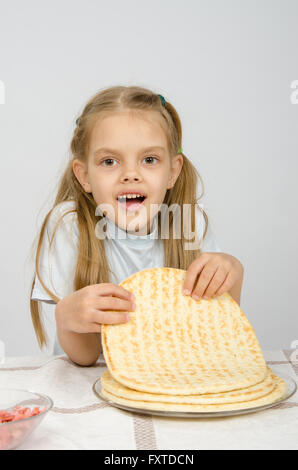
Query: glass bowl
[13, 433]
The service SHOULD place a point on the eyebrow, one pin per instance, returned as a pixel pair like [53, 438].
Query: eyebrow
[107, 150]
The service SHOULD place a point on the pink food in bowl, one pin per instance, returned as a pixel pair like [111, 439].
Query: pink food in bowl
[21, 412]
[18, 413]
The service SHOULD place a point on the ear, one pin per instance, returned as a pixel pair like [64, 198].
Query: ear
[177, 163]
[81, 173]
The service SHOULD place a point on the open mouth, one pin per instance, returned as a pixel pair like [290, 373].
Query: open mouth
[131, 204]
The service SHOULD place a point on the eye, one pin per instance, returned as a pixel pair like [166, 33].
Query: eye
[108, 160]
[151, 158]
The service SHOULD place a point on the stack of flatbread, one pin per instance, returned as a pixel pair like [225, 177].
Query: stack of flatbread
[180, 354]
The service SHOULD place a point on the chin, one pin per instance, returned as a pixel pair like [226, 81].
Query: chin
[133, 224]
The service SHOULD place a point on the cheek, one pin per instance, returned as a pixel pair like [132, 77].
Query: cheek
[158, 179]
[102, 181]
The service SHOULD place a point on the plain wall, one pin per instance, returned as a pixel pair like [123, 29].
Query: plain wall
[227, 66]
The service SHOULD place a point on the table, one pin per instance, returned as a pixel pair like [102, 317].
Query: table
[79, 420]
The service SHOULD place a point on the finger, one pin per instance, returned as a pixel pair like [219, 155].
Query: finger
[203, 281]
[226, 286]
[112, 303]
[215, 283]
[94, 328]
[106, 288]
[109, 317]
[192, 273]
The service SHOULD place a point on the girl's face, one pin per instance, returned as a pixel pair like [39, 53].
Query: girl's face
[128, 151]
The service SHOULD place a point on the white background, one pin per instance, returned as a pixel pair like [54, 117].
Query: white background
[227, 66]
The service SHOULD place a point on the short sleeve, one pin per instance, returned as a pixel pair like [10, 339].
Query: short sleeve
[57, 263]
[210, 243]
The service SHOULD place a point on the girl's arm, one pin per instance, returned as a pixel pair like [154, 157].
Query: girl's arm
[216, 273]
[79, 317]
[82, 348]
[235, 291]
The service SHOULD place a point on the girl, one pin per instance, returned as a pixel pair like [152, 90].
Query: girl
[127, 140]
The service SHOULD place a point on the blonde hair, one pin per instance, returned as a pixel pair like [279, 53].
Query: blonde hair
[92, 265]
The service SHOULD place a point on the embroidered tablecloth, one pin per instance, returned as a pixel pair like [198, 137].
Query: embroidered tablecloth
[80, 420]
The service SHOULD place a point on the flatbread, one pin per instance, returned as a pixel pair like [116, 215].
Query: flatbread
[245, 394]
[275, 395]
[175, 345]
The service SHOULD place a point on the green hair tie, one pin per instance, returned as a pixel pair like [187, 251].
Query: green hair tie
[180, 150]
[163, 101]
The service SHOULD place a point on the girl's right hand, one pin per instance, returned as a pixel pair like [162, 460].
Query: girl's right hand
[84, 310]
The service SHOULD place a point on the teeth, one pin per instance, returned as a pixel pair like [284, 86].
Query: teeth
[129, 196]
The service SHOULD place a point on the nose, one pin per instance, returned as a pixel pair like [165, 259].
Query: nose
[130, 175]
[130, 178]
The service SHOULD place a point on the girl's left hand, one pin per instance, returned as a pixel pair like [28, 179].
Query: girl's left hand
[217, 272]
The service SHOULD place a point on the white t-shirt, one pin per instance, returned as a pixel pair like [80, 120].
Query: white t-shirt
[126, 253]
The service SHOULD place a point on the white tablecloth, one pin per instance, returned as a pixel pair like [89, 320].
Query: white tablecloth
[79, 420]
